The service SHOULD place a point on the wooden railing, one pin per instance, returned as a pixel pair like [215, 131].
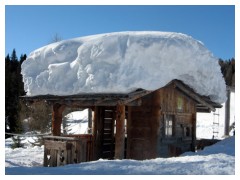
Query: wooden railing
[70, 149]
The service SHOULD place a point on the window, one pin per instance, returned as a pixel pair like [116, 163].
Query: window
[168, 124]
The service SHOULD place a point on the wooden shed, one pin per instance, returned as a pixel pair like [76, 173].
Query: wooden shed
[138, 125]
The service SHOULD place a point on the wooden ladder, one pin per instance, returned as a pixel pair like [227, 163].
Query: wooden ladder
[108, 141]
[215, 124]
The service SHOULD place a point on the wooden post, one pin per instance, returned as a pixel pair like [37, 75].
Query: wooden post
[120, 132]
[194, 123]
[95, 134]
[89, 120]
[227, 112]
[57, 119]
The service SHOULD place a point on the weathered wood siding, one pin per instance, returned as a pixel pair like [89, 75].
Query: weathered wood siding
[59, 151]
[143, 128]
[182, 108]
[146, 127]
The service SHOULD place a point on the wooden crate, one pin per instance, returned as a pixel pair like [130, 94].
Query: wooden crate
[59, 150]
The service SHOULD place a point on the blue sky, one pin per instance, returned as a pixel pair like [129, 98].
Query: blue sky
[30, 27]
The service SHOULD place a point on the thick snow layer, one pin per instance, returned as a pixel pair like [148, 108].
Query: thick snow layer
[122, 62]
[215, 159]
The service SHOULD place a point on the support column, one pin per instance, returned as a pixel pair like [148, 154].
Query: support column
[227, 112]
[57, 119]
[120, 132]
[89, 120]
[194, 128]
[95, 134]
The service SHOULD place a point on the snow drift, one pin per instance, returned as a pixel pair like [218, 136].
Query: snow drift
[122, 62]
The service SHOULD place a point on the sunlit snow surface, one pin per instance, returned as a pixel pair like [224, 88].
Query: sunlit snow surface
[123, 62]
[216, 159]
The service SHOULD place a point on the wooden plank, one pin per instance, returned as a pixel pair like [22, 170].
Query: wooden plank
[120, 132]
[53, 159]
[57, 138]
[108, 114]
[194, 123]
[193, 95]
[56, 145]
[69, 156]
[95, 133]
[45, 159]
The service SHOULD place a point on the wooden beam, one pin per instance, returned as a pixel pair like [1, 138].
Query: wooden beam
[131, 99]
[87, 103]
[57, 119]
[120, 132]
[134, 97]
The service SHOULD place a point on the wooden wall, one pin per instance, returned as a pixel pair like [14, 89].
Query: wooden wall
[146, 128]
[143, 128]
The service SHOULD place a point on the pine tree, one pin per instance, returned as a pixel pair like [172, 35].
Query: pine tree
[14, 88]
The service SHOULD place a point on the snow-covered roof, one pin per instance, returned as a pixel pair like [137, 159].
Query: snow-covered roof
[122, 62]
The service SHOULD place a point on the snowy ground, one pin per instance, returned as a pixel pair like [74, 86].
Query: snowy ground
[216, 159]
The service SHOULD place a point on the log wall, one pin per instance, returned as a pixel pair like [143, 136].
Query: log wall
[146, 127]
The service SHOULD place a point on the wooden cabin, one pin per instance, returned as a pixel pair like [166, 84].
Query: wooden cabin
[138, 125]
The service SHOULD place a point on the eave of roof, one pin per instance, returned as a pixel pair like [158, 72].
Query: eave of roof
[203, 103]
[93, 99]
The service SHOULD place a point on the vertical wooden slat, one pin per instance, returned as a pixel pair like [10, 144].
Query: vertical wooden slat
[45, 159]
[69, 156]
[120, 132]
[89, 120]
[227, 113]
[193, 132]
[95, 133]
[129, 126]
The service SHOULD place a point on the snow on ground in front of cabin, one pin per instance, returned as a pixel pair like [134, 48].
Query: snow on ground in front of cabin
[215, 159]
[122, 62]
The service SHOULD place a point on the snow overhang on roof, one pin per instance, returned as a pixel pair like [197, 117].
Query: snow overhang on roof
[203, 103]
[122, 62]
